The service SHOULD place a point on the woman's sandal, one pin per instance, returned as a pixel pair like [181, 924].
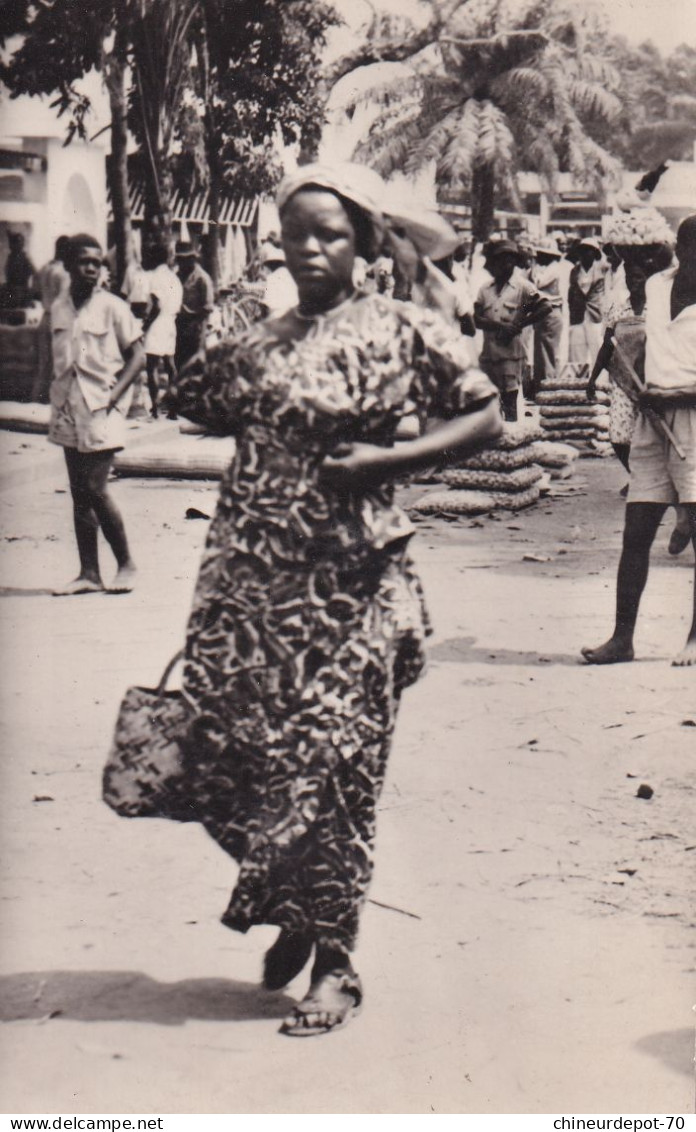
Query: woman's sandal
[285, 959]
[329, 1004]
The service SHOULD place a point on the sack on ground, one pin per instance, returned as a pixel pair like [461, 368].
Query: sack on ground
[497, 460]
[515, 480]
[554, 455]
[462, 502]
[560, 412]
[516, 435]
[577, 420]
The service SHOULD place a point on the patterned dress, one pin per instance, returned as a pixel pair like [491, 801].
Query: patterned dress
[629, 332]
[308, 618]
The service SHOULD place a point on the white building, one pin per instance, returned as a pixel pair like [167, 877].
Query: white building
[48, 189]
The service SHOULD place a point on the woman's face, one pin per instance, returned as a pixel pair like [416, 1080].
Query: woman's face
[319, 244]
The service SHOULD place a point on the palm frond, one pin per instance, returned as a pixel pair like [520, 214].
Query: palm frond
[592, 99]
[594, 69]
[388, 148]
[434, 142]
[496, 144]
[385, 93]
[456, 161]
[519, 84]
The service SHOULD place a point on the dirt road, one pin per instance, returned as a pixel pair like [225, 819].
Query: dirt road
[529, 943]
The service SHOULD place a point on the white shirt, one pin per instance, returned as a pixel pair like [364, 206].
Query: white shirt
[670, 345]
[136, 284]
[89, 344]
[160, 337]
[280, 292]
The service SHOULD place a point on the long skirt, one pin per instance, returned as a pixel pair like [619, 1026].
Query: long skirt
[296, 674]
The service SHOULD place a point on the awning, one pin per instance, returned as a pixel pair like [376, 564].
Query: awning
[238, 212]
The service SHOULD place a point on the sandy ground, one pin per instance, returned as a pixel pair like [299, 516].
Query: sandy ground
[529, 943]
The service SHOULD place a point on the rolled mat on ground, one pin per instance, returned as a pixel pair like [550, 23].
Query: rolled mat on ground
[178, 456]
[18, 416]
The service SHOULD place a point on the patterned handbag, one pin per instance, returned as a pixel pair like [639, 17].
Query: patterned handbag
[145, 774]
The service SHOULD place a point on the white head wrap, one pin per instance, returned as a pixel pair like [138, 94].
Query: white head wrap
[355, 183]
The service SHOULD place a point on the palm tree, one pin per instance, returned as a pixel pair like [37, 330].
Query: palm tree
[494, 93]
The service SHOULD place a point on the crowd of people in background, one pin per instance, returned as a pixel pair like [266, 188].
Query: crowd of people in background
[531, 309]
[535, 306]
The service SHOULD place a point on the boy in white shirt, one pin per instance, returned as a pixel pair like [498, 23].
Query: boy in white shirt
[166, 297]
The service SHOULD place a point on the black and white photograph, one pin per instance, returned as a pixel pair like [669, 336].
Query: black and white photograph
[348, 576]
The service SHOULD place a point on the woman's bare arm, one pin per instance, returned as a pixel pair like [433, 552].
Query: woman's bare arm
[357, 466]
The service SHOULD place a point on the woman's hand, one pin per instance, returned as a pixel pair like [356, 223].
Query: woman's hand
[355, 467]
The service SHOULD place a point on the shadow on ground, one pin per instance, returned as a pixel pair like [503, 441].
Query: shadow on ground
[17, 591]
[130, 996]
[461, 650]
[674, 1048]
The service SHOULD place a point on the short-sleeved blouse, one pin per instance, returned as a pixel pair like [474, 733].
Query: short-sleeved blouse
[291, 392]
[628, 330]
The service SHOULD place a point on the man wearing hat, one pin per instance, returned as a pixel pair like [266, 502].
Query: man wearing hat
[198, 301]
[502, 310]
[546, 277]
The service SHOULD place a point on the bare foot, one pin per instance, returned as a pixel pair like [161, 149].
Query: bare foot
[329, 1004]
[687, 656]
[613, 652]
[80, 586]
[124, 581]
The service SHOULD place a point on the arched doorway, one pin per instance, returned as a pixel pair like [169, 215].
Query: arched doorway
[78, 212]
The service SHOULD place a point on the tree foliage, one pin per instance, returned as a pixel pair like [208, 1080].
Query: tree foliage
[495, 92]
[214, 82]
[658, 120]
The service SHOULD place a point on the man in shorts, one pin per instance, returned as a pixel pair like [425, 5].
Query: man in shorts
[97, 355]
[659, 476]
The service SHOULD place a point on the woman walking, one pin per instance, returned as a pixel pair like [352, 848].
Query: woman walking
[308, 619]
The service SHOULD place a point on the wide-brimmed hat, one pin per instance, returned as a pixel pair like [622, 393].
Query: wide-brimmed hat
[184, 249]
[547, 246]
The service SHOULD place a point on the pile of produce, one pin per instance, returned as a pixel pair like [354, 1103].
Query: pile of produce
[505, 476]
[565, 414]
